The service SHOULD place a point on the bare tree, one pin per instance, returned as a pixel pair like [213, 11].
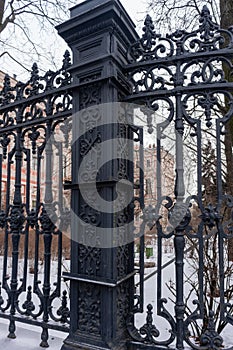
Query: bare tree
[26, 28]
[185, 12]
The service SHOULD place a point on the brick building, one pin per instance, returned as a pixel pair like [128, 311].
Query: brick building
[151, 183]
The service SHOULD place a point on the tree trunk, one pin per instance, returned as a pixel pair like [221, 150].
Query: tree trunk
[2, 6]
[226, 10]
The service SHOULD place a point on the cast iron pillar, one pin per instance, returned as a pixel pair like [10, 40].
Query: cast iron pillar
[101, 277]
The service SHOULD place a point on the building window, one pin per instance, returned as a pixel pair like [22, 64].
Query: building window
[148, 187]
[148, 163]
[137, 186]
[34, 204]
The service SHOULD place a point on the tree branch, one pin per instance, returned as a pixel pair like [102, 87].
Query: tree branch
[14, 59]
[9, 19]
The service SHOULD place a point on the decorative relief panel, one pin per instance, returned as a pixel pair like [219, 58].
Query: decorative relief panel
[89, 260]
[89, 309]
[123, 305]
[90, 95]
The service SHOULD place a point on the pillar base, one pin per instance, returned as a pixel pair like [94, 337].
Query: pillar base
[73, 344]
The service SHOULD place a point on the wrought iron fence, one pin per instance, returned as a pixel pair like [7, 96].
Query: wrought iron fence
[33, 115]
[183, 81]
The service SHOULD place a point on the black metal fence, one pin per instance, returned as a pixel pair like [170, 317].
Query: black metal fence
[31, 161]
[184, 82]
[182, 86]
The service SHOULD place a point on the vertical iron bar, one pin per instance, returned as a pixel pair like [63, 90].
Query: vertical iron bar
[47, 233]
[15, 228]
[60, 196]
[37, 235]
[57, 292]
[142, 234]
[200, 237]
[27, 205]
[6, 243]
[219, 227]
[159, 236]
[179, 241]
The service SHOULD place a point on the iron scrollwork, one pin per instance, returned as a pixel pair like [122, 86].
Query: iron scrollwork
[188, 71]
[37, 108]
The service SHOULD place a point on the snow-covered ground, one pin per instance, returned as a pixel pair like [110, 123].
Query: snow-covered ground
[28, 337]
[150, 290]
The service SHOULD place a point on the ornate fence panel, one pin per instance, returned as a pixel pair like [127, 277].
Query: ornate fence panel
[184, 83]
[57, 128]
[34, 126]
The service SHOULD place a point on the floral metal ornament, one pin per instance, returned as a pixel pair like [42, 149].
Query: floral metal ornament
[210, 339]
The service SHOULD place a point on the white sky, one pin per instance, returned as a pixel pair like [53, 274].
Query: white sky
[54, 44]
[135, 8]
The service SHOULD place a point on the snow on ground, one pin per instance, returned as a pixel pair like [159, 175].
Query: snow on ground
[150, 292]
[28, 337]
